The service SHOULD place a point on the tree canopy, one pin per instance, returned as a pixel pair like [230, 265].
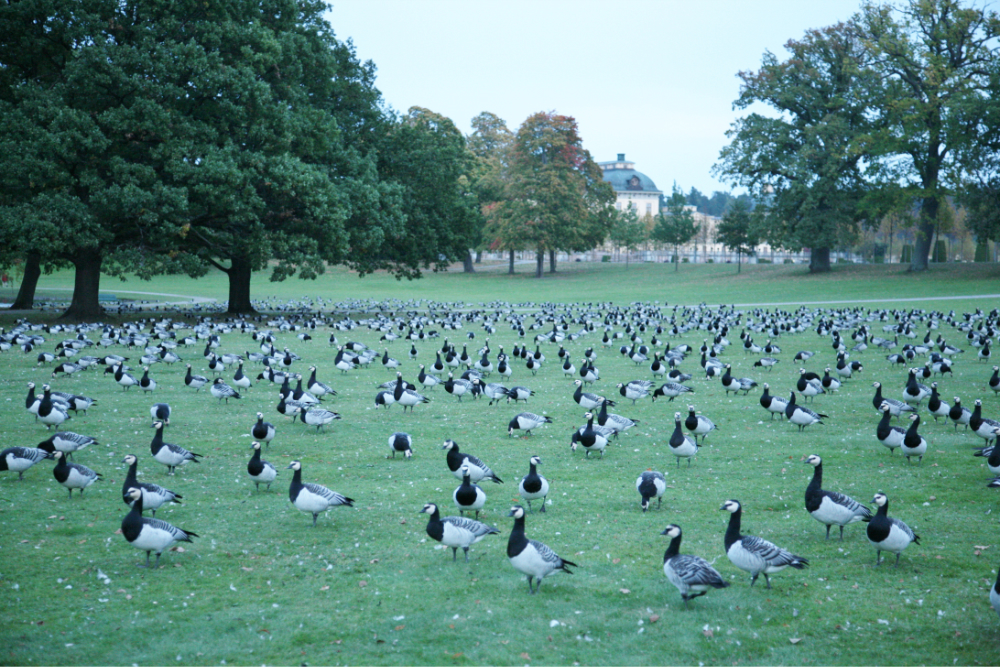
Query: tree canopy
[675, 226]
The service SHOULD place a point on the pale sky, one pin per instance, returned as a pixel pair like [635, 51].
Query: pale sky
[654, 79]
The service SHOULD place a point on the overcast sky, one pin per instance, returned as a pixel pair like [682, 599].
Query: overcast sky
[654, 79]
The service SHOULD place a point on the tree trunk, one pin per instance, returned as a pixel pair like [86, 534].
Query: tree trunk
[738, 260]
[479, 256]
[540, 262]
[32, 271]
[677, 258]
[239, 286]
[820, 260]
[467, 263]
[924, 233]
[552, 261]
[86, 304]
[510, 262]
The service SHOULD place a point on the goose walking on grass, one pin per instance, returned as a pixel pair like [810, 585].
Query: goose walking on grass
[775, 405]
[896, 407]
[168, 453]
[154, 496]
[73, 475]
[887, 533]
[19, 459]
[455, 531]
[478, 470]
[755, 555]
[913, 444]
[531, 557]
[829, 507]
[586, 399]
[982, 426]
[534, 486]
[262, 431]
[195, 382]
[890, 437]
[800, 415]
[650, 484]
[691, 575]
[313, 498]
[150, 535]
[317, 417]
[617, 423]
[407, 397]
[67, 442]
[468, 497]
[402, 443]
[682, 446]
[699, 425]
[260, 471]
[526, 421]
[223, 391]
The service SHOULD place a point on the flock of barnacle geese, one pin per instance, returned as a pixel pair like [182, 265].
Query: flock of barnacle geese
[913, 339]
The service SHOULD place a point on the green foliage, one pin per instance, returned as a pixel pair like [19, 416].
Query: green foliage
[627, 231]
[906, 253]
[737, 231]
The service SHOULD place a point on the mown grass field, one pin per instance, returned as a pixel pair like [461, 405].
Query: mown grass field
[367, 586]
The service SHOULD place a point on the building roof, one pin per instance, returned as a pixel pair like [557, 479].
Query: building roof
[623, 177]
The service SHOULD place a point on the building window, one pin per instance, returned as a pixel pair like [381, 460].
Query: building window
[649, 208]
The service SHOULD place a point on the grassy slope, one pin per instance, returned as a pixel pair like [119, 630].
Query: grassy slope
[337, 594]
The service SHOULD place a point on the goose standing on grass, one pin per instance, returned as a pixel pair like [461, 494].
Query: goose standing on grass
[223, 391]
[427, 380]
[586, 399]
[809, 384]
[260, 470]
[531, 557]
[682, 446]
[830, 383]
[829, 507]
[635, 390]
[896, 407]
[890, 437]
[533, 485]
[495, 392]
[914, 392]
[754, 554]
[691, 575]
[195, 382]
[519, 394]
[48, 412]
[457, 388]
[19, 459]
[126, 380]
[72, 475]
[168, 453]
[617, 423]
[317, 417]
[154, 496]
[313, 498]
[239, 379]
[468, 497]
[589, 438]
[766, 362]
[146, 383]
[407, 397]
[455, 531]
[148, 534]
[699, 425]
[672, 390]
[455, 459]
[262, 431]
[526, 421]
[651, 484]
[317, 388]
[936, 406]
[913, 444]
[985, 428]
[402, 443]
[160, 412]
[802, 416]
[887, 533]
[958, 414]
[774, 404]
[67, 442]
[994, 382]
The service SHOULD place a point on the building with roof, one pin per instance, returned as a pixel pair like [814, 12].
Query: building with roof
[633, 189]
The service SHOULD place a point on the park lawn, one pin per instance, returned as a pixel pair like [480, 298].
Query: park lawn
[713, 284]
[367, 586]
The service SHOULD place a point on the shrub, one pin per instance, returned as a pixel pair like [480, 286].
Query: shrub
[788, 260]
[606, 258]
[764, 260]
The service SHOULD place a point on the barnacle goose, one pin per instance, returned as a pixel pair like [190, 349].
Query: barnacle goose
[126, 380]
[428, 380]
[830, 383]
[146, 383]
[774, 404]
[519, 394]
[239, 379]
[672, 390]
[809, 384]
[196, 382]
[803, 355]
[651, 484]
[586, 399]
[533, 485]
[526, 421]
[617, 423]
[936, 406]
[887, 533]
[634, 390]
[455, 531]
[313, 498]
[733, 384]
[259, 469]
[914, 391]
[588, 373]
[766, 362]
[477, 469]
[913, 444]
[317, 417]
[19, 459]
[896, 407]
[891, 437]
[754, 554]
[995, 594]
[682, 446]
[160, 412]
[531, 557]
[48, 412]
[495, 392]
[958, 414]
[699, 425]
[154, 496]
[168, 453]
[995, 381]
[457, 388]
[802, 416]
[403, 443]
[691, 575]
[384, 399]
[148, 534]
[223, 391]
[72, 475]
[468, 497]
[262, 431]
[829, 507]
[388, 362]
[982, 426]
[407, 397]
[66, 442]
[588, 437]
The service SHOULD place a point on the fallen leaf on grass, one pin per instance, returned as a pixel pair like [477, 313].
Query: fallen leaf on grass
[795, 640]
[524, 656]
[654, 618]
[362, 584]
[324, 588]
[707, 632]
[624, 591]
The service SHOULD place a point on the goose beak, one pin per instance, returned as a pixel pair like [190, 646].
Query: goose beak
[664, 532]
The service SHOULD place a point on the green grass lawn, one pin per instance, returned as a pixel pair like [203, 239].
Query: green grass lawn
[367, 586]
